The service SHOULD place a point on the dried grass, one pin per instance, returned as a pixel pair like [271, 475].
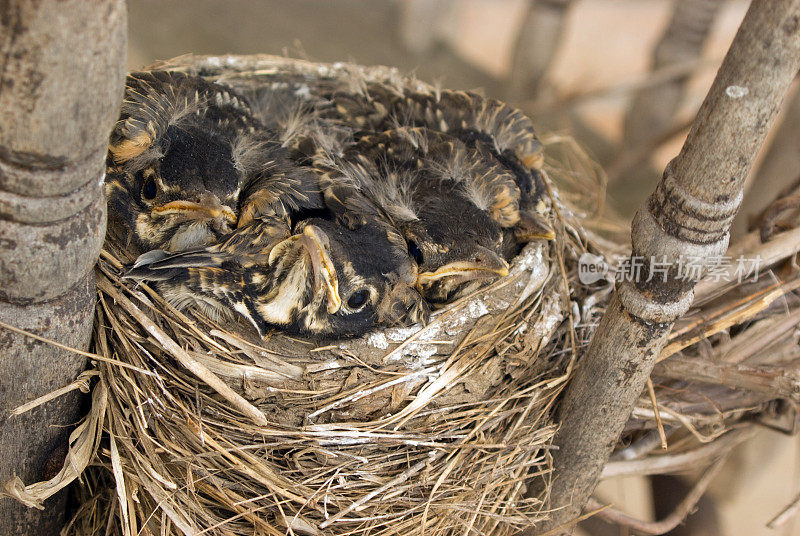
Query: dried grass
[353, 438]
[208, 430]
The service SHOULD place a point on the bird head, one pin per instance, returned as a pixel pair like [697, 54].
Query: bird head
[324, 280]
[172, 182]
[449, 201]
[359, 278]
[456, 245]
[184, 197]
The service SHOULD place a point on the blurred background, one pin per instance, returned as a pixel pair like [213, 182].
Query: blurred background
[623, 78]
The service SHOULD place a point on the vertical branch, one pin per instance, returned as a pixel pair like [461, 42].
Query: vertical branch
[62, 66]
[688, 215]
[421, 22]
[653, 108]
[536, 46]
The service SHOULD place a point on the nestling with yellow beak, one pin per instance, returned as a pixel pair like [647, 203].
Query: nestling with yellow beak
[188, 163]
[449, 203]
[324, 280]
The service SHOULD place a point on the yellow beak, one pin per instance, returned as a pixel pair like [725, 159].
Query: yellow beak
[196, 211]
[485, 265]
[318, 246]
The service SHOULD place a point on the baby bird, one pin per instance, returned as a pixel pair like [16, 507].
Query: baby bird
[324, 280]
[350, 103]
[450, 204]
[498, 130]
[188, 163]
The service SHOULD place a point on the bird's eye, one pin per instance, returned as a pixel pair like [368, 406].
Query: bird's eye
[358, 299]
[149, 189]
[415, 252]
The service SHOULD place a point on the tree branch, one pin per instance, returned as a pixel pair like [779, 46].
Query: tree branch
[778, 382]
[652, 109]
[688, 215]
[672, 520]
[537, 43]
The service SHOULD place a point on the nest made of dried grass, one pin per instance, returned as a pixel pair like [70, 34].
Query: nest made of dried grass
[435, 430]
[351, 441]
[434, 427]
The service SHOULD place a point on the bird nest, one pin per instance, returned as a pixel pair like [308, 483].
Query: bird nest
[209, 429]
[203, 428]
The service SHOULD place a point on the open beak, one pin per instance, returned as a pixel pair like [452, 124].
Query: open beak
[485, 265]
[197, 211]
[318, 246]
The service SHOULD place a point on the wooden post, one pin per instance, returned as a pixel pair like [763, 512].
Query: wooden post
[62, 68]
[687, 216]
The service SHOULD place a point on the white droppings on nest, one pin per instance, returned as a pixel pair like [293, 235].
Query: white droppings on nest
[429, 332]
[455, 327]
[551, 316]
[477, 309]
[532, 256]
[521, 328]
[401, 334]
[378, 340]
[499, 304]
[303, 92]
[214, 61]
[532, 259]
[422, 354]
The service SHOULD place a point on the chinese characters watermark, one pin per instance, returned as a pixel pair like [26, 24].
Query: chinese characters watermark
[592, 268]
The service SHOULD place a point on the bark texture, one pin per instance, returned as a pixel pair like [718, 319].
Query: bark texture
[688, 215]
[62, 67]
